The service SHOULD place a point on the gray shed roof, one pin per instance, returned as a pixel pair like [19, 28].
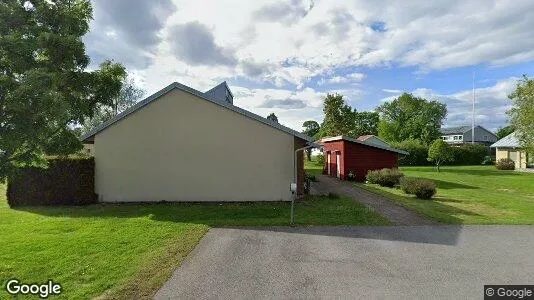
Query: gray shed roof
[89, 137]
[509, 141]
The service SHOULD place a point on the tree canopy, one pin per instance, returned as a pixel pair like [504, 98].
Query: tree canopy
[311, 128]
[504, 131]
[44, 86]
[272, 117]
[364, 123]
[411, 117]
[522, 112]
[337, 116]
[128, 97]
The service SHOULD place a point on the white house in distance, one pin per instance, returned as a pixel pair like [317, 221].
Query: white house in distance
[462, 135]
[180, 144]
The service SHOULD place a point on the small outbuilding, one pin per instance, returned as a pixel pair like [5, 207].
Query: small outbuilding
[344, 155]
[509, 147]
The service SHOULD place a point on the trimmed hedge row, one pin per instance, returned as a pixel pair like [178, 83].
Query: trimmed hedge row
[467, 154]
[65, 182]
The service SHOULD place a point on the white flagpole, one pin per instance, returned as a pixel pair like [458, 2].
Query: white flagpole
[473, 114]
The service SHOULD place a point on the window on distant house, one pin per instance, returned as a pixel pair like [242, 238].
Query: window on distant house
[455, 138]
[460, 137]
[485, 137]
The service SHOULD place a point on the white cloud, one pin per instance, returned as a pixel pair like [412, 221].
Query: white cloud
[392, 91]
[349, 78]
[281, 45]
[291, 107]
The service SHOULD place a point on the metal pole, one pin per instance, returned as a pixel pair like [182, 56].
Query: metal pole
[473, 114]
[294, 193]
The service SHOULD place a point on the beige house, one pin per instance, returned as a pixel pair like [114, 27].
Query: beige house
[184, 145]
[508, 147]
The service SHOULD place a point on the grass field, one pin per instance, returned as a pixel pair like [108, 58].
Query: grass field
[128, 250]
[470, 195]
[313, 167]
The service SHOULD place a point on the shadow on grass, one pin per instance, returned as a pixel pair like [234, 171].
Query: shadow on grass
[442, 184]
[489, 171]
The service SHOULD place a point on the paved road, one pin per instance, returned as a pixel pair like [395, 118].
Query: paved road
[398, 215]
[444, 262]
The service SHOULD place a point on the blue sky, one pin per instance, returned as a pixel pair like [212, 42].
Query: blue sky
[283, 56]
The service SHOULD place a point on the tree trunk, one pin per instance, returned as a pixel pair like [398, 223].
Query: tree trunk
[308, 154]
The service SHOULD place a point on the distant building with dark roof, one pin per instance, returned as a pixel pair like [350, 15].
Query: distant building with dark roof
[462, 135]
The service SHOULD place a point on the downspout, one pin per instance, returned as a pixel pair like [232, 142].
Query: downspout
[295, 179]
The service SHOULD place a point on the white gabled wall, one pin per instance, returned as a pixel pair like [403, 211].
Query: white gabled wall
[184, 148]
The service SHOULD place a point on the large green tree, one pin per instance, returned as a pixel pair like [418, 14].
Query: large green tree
[522, 112]
[129, 95]
[364, 123]
[411, 117]
[44, 86]
[504, 131]
[338, 116]
[311, 128]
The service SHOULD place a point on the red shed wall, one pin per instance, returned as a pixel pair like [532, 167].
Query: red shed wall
[359, 159]
[333, 147]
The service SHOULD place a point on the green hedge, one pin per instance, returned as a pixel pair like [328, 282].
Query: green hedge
[467, 154]
[418, 153]
[65, 182]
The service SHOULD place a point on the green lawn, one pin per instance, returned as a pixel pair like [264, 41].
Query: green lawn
[313, 167]
[129, 250]
[470, 195]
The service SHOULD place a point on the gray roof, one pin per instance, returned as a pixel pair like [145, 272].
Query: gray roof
[509, 141]
[89, 137]
[455, 130]
[346, 138]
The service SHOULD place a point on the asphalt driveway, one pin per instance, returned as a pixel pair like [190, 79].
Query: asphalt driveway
[445, 262]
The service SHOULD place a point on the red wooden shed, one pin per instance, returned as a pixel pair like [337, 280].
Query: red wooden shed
[344, 154]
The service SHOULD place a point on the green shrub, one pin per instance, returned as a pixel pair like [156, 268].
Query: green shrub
[384, 177]
[311, 177]
[469, 154]
[417, 156]
[505, 164]
[425, 189]
[407, 184]
[421, 188]
[320, 159]
[488, 161]
[351, 176]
